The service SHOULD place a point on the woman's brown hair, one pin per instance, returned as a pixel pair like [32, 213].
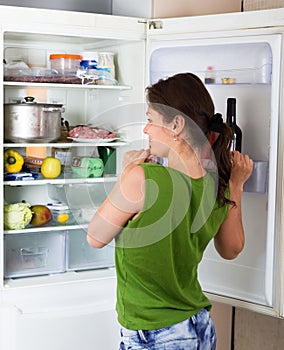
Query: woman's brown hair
[186, 94]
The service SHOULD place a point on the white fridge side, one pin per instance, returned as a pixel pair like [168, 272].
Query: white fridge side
[74, 308]
[252, 58]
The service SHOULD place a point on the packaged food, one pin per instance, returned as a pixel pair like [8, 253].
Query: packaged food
[87, 167]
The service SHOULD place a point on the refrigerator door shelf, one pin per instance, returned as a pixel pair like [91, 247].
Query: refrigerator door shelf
[253, 65]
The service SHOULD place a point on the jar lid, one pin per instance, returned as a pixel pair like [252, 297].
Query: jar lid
[59, 55]
[57, 206]
[106, 53]
[89, 56]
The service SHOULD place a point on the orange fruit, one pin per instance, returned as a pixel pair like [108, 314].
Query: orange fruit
[62, 218]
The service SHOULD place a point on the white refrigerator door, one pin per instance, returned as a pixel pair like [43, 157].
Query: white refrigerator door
[252, 60]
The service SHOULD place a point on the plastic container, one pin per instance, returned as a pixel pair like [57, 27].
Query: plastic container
[89, 60]
[87, 167]
[64, 154]
[81, 256]
[210, 77]
[65, 63]
[258, 181]
[34, 163]
[34, 254]
[62, 214]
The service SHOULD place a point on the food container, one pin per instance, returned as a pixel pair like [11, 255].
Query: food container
[89, 60]
[33, 163]
[29, 121]
[87, 167]
[65, 63]
[62, 214]
[64, 154]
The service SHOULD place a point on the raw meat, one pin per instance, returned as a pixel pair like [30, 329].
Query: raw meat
[86, 132]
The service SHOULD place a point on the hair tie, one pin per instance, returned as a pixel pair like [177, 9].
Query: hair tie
[216, 123]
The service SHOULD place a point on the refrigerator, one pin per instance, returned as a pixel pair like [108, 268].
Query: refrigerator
[56, 292]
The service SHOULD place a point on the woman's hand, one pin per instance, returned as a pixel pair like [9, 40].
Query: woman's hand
[241, 169]
[135, 157]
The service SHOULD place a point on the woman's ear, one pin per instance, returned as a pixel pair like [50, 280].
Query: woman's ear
[178, 123]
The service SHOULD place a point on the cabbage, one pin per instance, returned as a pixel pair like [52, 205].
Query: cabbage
[17, 216]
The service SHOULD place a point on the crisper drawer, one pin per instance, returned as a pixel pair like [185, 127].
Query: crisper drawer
[81, 256]
[30, 254]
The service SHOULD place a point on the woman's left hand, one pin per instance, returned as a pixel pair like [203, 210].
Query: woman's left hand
[135, 157]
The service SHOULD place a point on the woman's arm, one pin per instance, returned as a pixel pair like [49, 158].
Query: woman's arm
[230, 239]
[125, 201]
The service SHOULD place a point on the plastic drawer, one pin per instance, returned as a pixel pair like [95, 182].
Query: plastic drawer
[31, 254]
[81, 256]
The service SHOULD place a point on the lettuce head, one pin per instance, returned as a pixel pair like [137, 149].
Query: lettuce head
[17, 216]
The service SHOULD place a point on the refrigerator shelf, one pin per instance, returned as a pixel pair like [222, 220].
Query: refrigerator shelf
[66, 86]
[45, 229]
[62, 180]
[66, 144]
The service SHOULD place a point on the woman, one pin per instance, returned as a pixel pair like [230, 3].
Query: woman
[164, 217]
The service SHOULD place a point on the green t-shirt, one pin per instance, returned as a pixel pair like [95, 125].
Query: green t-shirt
[157, 253]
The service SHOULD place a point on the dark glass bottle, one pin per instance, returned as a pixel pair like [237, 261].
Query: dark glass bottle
[231, 120]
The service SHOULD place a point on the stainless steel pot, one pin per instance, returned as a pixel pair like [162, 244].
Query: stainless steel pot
[29, 121]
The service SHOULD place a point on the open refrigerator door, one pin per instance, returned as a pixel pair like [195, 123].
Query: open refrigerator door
[244, 65]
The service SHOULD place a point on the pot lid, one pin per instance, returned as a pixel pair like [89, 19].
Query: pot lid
[30, 101]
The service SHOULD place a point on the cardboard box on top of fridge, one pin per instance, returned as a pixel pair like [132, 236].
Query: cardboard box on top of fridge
[181, 8]
[173, 8]
[251, 5]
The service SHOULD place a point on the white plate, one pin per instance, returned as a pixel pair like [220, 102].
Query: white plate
[98, 141]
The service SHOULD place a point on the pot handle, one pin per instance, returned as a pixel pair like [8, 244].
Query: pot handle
[53, 109]
[29, 99]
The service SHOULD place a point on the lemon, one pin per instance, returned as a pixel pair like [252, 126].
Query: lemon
[50, 168]
[62, 218]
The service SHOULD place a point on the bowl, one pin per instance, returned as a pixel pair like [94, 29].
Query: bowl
[63, 215]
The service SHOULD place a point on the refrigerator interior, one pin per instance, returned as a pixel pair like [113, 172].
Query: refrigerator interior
[247, 68]
[118, 108]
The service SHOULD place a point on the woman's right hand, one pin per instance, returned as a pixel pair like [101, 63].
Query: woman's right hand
[242, 166]
[135, 157]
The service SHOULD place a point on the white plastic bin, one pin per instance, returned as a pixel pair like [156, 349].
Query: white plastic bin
[31, 254]
[81, 256]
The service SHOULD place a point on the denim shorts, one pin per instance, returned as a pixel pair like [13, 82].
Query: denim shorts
[195, 333]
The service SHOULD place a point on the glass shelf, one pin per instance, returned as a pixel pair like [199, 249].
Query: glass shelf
[46, 228]
[65, 86]
[65, 179]
[66, 144]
